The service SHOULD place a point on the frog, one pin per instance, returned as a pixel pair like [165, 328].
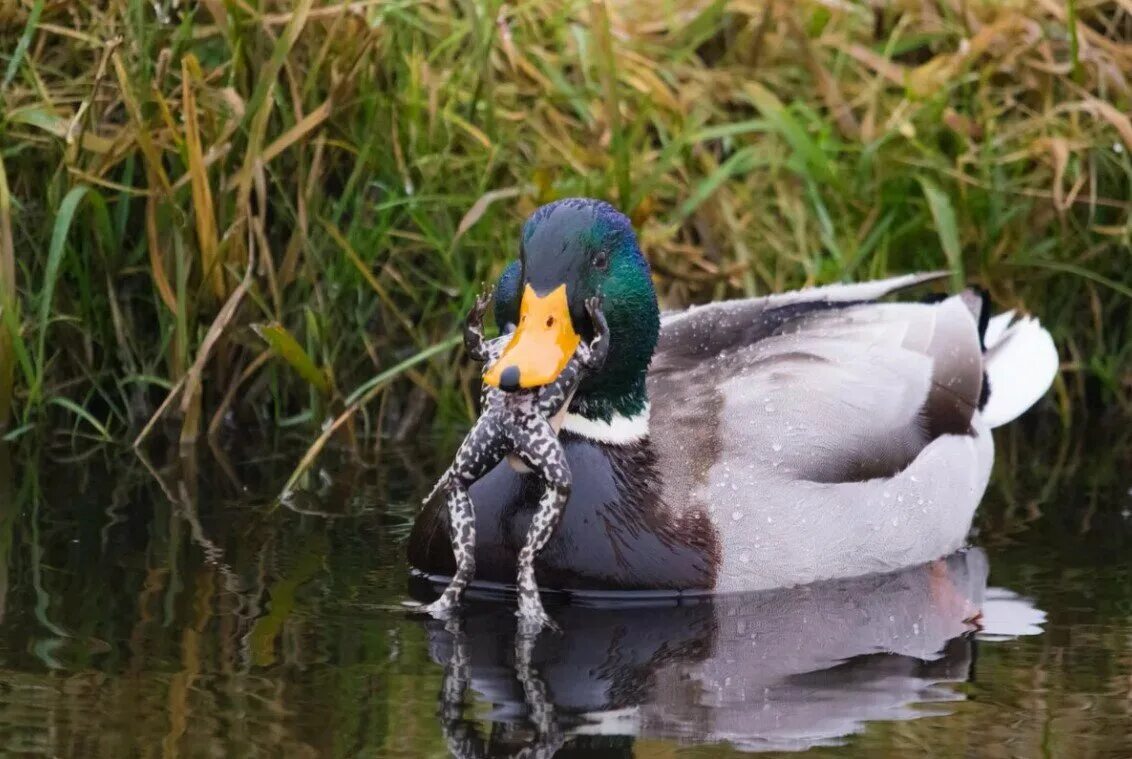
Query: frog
[518, 425]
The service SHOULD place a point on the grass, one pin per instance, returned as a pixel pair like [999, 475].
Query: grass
[236, 216]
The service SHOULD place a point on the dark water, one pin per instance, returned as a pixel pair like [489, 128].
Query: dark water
[174, 609]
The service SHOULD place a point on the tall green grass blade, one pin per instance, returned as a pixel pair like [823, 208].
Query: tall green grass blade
[1076, 270]
[58, 247]
[1074, 41]
[265, 81]
[739, 163]
[736, 129]
[826, 230]
[83, 414]
[284, 345]
[670, 154]
[943, 215]
[814, 161]
[365, 392]
[22, 46]
[701, 28]
[608, 65]
[17, 432]
[8, 300]
[360, 397]
[147, 379]
[19, 346]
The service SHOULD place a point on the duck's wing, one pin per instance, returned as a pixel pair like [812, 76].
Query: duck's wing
[824, 389]
[706, 330]
[804, 429]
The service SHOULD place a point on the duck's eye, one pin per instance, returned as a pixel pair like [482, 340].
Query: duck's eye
[550, 321]
[601, 260]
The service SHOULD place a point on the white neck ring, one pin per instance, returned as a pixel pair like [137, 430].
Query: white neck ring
[619, 430]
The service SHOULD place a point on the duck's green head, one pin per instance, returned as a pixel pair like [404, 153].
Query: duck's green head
[572, 250]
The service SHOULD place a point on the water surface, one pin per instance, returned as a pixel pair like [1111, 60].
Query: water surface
[173, 608]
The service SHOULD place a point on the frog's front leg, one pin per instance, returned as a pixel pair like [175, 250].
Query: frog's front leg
[539, 448]
[586, 358]
[483, 448]
[593, 354]
[474, 341]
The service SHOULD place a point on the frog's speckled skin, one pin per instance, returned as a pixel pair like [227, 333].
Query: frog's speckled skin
[518, 423]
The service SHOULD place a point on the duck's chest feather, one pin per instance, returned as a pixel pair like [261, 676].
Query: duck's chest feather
[616, 533]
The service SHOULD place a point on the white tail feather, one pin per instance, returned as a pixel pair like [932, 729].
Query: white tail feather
[1021, 364]
[996, 326]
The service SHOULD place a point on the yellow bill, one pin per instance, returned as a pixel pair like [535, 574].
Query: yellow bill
[542, 344]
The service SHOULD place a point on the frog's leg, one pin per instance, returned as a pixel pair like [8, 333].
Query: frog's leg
[483, 448]
[548, 732]
[459, 733]
[539, 448]
[474, 341]
[587, 358]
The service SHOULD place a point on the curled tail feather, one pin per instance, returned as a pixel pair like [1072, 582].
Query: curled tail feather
[1021, 364]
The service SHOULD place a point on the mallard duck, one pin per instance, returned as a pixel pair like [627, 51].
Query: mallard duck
[744, 444]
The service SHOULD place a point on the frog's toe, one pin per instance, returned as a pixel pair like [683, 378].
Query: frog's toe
[533, 619]
[442, 608]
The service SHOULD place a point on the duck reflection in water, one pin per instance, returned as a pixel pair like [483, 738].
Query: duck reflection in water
[777, 670]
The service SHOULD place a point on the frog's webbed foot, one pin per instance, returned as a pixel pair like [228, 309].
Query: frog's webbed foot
[474, 320]
[532, 617]
[444, 608]
[479, 308]
[474, 340]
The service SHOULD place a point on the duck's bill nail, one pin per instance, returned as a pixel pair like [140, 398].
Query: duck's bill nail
[541, 345]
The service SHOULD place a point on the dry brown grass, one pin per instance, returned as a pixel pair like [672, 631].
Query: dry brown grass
[347, 174]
